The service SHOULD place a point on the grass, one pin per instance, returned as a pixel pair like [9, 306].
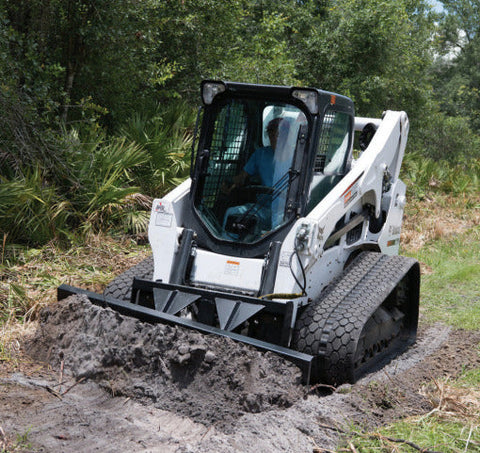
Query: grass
[471, 378]
[450, 287]
[29, 278]
[431, 434]
[452, 426]
[443, 233]
[20, 444]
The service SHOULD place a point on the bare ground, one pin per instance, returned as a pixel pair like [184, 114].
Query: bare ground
[97, 381]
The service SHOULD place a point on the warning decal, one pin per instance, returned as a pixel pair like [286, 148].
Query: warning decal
[232, 267]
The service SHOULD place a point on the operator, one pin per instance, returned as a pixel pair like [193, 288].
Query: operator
[261, 162]
[271, 165]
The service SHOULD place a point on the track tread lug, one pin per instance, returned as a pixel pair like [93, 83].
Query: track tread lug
[121, 286]
[330, 327]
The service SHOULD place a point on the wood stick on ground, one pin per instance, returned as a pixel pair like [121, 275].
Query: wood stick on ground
[60, 378]
[52, 391]
[469, 437]
[352, 447]
[73, 385]
[59, 384]
[4, 437]
[317, 449]
[62, 364]
[332, 428]
[402, 441]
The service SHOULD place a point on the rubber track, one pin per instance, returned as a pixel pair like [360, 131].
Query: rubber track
[330, 327]
[121, 286]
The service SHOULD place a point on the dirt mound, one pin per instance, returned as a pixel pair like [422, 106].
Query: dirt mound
[206, 378]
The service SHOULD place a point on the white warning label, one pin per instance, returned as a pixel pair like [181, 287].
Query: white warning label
[163, 219]
[285, 258]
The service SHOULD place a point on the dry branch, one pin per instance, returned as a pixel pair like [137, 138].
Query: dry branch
[73, 385]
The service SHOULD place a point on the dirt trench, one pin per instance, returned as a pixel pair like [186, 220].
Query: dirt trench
[114, 383]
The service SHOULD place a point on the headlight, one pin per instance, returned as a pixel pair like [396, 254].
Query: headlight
[309, 98]
[210, 90]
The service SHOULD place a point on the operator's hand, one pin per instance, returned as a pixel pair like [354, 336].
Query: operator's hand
[238, 181]
[227, 188]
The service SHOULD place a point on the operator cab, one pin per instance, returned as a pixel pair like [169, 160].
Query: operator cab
[256, 160]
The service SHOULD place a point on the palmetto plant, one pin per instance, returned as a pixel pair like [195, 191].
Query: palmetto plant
[102, 190]
[104, 183]
[31, 208]
[423, 174]
[166, 135]
[96, 194]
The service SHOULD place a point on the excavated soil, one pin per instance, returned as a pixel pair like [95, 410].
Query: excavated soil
[206, 378]
[112, 383]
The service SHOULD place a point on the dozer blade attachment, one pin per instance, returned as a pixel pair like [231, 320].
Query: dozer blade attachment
[145, 314]
[232, 313]
[172, 302]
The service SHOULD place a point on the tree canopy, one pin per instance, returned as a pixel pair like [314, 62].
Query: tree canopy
[72, 57]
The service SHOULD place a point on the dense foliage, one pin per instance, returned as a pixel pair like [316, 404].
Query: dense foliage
[98, 97]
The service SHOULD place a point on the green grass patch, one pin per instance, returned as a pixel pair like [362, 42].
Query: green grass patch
[453, 425]
[470, 378]
[450, 288]
[428, 434]
[20, 444]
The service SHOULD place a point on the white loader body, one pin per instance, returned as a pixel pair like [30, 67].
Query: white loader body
[280, 238]
[372, 180]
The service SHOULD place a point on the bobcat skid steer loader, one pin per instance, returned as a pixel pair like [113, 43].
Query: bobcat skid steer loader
[280, 238]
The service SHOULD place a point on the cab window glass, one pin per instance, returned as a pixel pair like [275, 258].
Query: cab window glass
[332, 156]
[333, 146]
[242, 195]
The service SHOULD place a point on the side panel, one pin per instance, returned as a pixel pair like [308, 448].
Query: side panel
[163, 237]
[166, 217]
[179, 197]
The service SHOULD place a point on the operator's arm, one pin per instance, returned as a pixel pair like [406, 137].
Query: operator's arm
[239, 180]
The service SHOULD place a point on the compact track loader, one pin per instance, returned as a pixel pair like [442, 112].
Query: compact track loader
[280, 238]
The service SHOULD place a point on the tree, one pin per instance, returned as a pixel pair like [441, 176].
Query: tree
[72, 56]
[457, 70]
[376, 51]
